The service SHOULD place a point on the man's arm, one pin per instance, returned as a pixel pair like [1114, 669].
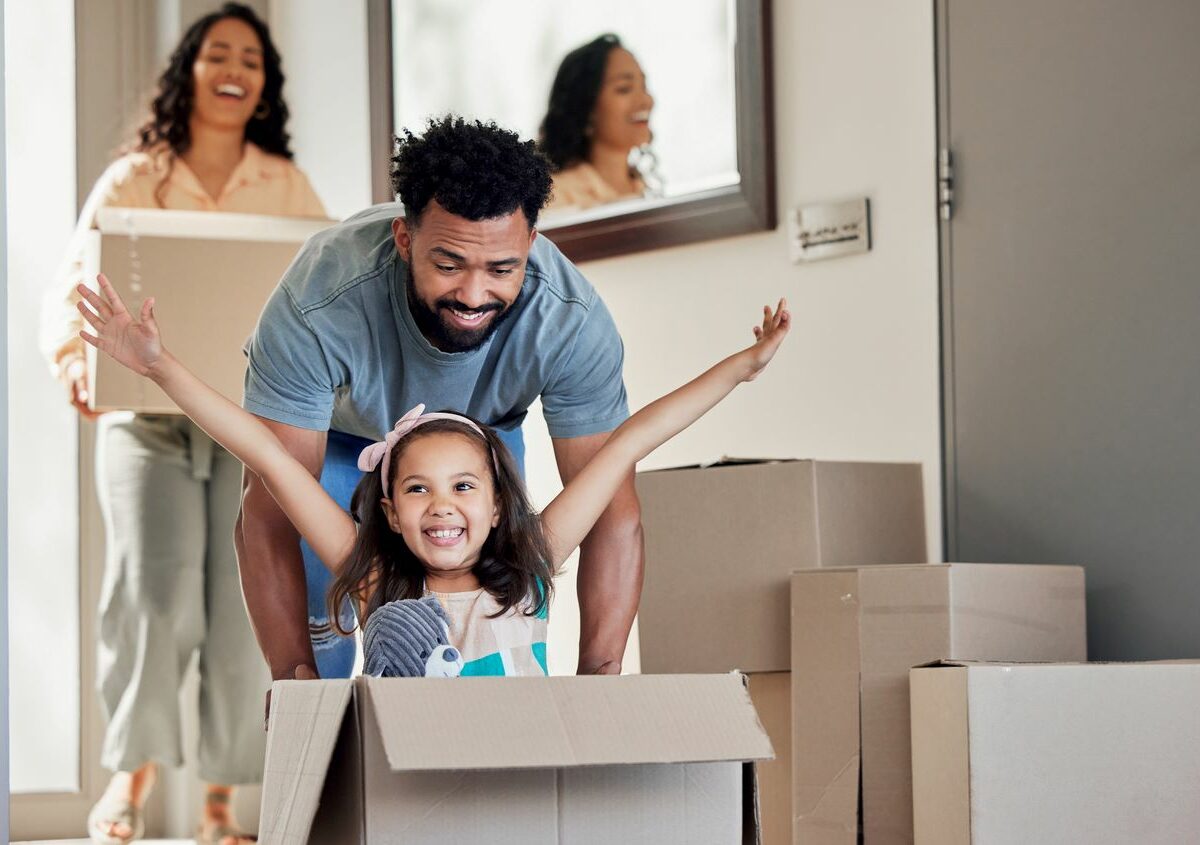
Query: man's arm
[611, 560]
[269, 561]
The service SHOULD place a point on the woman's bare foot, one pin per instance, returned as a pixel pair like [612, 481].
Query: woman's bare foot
[218, 826]
[116, 813]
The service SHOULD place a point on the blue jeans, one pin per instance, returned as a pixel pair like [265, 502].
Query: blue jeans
[340, 475]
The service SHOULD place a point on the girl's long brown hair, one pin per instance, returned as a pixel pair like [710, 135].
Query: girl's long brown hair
[514, 563]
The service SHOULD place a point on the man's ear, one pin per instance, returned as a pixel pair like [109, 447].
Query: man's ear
[532, 236]
[389, 511]
[402, 235]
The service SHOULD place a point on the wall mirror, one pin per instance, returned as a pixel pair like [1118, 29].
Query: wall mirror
[699, 154]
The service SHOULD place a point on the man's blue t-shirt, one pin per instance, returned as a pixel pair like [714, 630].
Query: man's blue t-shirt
[337, 347]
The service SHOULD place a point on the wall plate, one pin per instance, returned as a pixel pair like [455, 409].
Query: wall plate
[829, 230]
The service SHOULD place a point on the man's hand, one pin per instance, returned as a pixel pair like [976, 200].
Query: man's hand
[610, 667]
[303, 672]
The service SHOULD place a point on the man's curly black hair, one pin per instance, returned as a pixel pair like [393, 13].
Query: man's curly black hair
[473, 169]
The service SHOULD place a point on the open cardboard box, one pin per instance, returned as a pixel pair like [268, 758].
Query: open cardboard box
[857, 631]
[210, 274]
[1017, 753]
[630, 759]
[723, 539]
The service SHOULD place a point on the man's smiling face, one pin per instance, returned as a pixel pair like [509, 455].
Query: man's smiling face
[464, 275]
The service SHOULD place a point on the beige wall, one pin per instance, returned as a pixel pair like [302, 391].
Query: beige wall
[858, 378]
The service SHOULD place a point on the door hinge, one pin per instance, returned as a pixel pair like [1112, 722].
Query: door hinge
[945, 184]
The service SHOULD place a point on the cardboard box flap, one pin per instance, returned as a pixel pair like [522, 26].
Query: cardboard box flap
[163, 223]
[1026, 664]
[945, 663]
[723, 461]
[306, 717]
[565, 721]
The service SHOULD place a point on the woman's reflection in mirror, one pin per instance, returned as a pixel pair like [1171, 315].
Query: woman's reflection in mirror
[596, 131]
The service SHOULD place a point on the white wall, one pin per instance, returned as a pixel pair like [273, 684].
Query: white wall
[3, 465]
[324, 49]
[858, 379]
[43, 541]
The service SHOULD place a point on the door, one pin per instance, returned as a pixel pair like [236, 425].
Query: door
[1071, 302]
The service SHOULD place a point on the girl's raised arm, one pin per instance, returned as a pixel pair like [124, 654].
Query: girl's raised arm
[569, 518]
[135, 343]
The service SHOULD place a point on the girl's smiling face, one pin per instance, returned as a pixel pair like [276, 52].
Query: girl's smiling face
[443, 501]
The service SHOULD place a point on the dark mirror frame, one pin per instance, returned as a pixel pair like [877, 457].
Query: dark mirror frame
[748, 206]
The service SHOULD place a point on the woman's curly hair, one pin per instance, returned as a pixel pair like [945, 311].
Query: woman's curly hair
[474, 169]
[563, 136]
[171, 109]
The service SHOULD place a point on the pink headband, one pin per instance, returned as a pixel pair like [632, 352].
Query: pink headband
[380, 454]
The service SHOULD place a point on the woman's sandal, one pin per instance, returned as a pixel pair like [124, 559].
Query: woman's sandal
[110, 811]
[221, 831]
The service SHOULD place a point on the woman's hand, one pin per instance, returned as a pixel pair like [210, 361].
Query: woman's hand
[768, 336]
[74, 376]
[133, 343]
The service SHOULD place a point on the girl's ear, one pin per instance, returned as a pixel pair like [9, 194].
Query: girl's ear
[389, 511]
[496, 511]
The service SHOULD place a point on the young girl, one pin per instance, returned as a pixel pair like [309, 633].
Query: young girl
[441, 510]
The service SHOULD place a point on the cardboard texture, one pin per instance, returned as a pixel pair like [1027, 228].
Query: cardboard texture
[771, 693]
[855, 634]
[210, 274]
[722, 541]
[1096, 753]
[638, 759]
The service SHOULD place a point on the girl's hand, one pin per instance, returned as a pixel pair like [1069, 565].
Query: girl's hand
[768, 336]
[133, 343]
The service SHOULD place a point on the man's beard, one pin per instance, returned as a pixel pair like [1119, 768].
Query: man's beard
[450, 338]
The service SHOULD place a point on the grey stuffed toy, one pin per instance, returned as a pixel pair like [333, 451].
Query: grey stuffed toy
[410, 638]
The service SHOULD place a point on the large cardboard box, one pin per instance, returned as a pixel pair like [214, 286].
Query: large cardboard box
[630, 759]
[1095, 753]
[855, 634]
[210, 274]
[722, 541]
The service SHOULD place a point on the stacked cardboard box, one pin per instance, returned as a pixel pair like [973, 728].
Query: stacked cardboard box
[721, 543]
[856, 632]
[818, 568]
[1096, 753]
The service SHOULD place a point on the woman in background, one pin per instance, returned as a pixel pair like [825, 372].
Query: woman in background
[597, 120]
[216, 140]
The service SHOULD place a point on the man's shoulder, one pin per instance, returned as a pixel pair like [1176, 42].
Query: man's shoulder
[563, 308]
[559, 281]
[343, 257]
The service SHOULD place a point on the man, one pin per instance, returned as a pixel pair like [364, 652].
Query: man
[454, 301]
